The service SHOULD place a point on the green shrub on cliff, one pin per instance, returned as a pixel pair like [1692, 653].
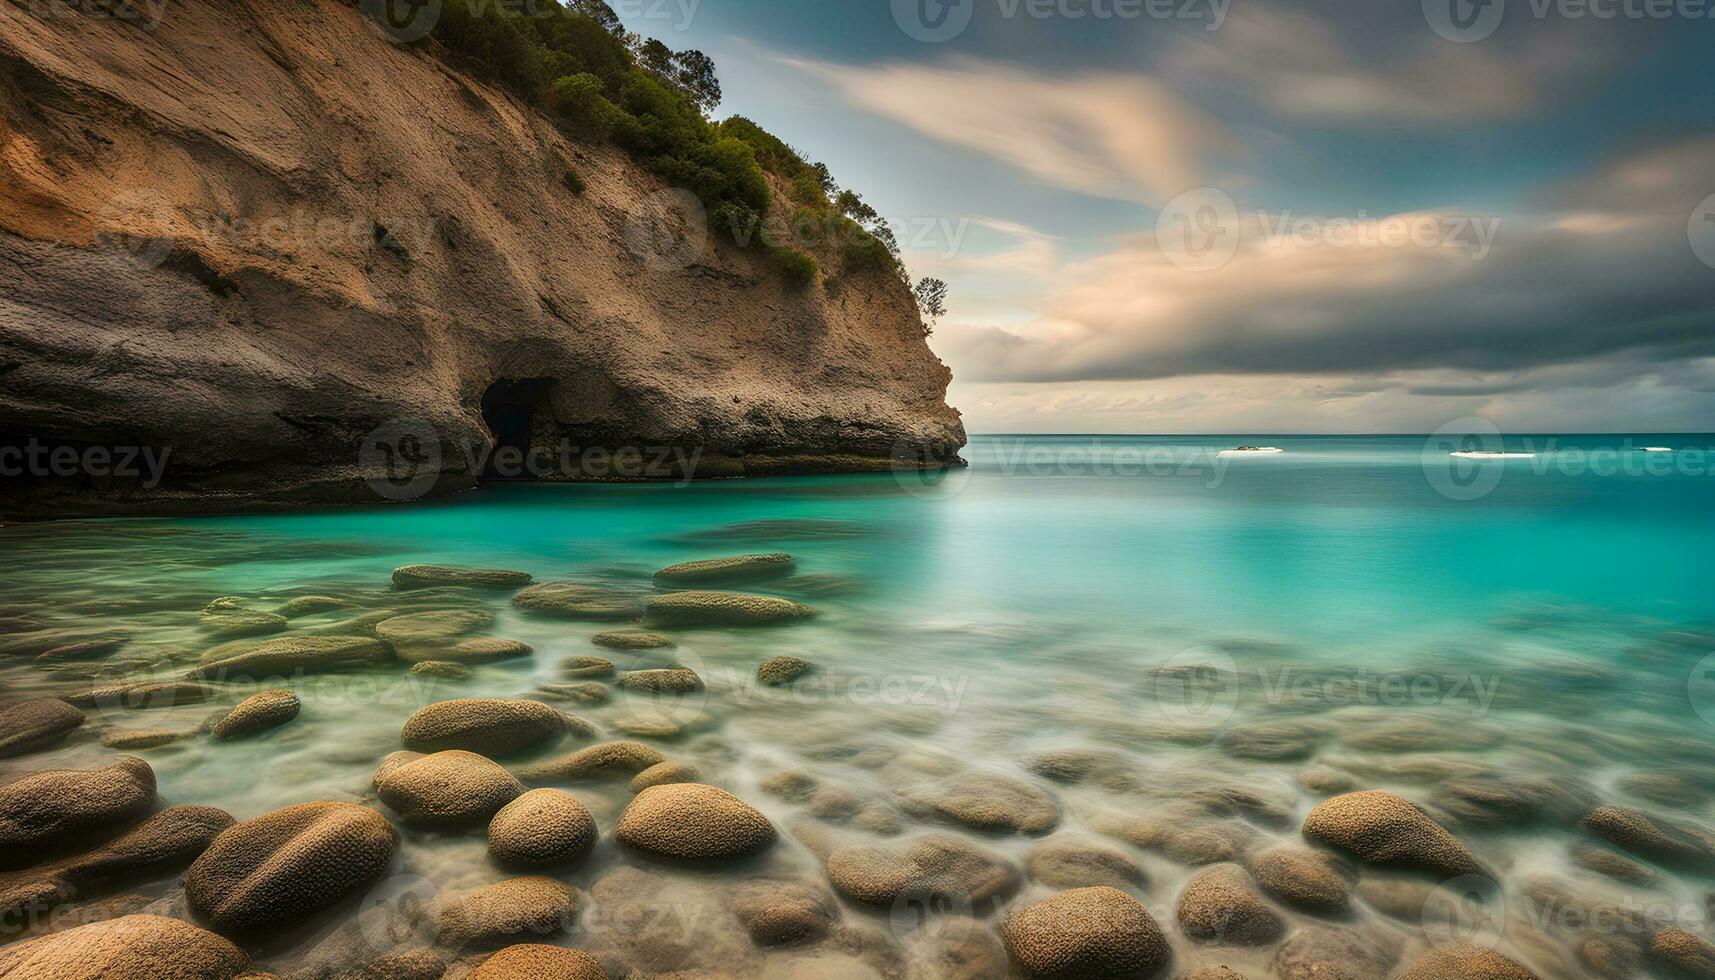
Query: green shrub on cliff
[575, 59]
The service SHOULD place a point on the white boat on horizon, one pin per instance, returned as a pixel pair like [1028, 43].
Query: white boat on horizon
[1487, 454]
[1657, 449]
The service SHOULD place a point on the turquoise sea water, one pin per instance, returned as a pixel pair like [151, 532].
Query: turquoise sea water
[1365, 612]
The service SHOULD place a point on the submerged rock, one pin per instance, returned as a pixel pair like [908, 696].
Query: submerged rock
[1384, 829]
[282, 867]
[162, 844]
[1464, 961]
[782, 670]
[1303, 879]
[1683, 953]
[29, 726]
[230, 623]
[258, 713]
[1666, 842]
[310, 605]
[722, 571]
[541, 828]
[481, 651]
[1219, 905]
[1615, 866]
[587, 693]
[291, 654]
[723, 609]
[991, 802]
[446, 789]
[633, 640]
[138, 697]
[606, 759]
[1085, 933]
[132, 947]
[1072, 862]
[489, 726]
[663, 774]
[83, 650]
[581, 667]
[693, 821]
[1326, 952]
[784, 913]
[532, 961]
[423, 576]
[672, 680]
[532, 907]
[572, 600]
[1271, 742]
[934, 869]
[140, 739]
[441, 669]
[432, 626]
[54, 807]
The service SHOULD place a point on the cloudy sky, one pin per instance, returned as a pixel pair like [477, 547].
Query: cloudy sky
[1270, 216]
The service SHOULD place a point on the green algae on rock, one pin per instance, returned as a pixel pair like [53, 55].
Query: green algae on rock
[690, 609]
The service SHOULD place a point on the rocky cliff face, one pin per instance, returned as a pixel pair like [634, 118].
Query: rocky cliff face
[288, 260]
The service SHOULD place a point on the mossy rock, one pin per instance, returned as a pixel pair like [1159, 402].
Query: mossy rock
[541, 828]
[607, 759]
[490, 726]
[692, 821]
[992, 803]
[934, 869]
[273, 872]
[1219, 905]
[132, 947]
[292, 654]
[432, 626]
[533, 907]
[481, 651]
[670, 680]
[424, 576]
[532, 961]
[233, 623]
[577, 668]
[55, 807]
[1306, 880]
[311, 605]
[633, 640]
[690, 609]
[1464, 961]
[1074, 862]
[1085, 932]
[136, 740]
[1383, 829]
[573, 600]
[1670, 843]
[441, 669]
[664, 774]
[165, 843]
[30, 726]
[723, 571]
[782, 670]
[784, 913]
[258, 713]
[138, 697]
[446, 789]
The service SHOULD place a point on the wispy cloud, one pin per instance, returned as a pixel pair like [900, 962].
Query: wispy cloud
[1118, 135]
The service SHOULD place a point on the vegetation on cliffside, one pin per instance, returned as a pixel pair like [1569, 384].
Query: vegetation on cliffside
[575, 60]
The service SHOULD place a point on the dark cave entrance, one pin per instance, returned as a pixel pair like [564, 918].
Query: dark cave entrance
[516, 413]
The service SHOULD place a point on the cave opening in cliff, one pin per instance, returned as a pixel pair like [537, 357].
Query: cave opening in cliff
[516, 413]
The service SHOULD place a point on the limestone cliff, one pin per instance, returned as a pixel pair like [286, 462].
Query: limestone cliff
[262, 238]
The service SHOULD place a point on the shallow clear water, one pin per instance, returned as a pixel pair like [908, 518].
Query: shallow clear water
[1411, 619]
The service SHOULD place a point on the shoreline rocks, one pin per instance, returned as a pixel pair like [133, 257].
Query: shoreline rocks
[445, 790]
[289, 654]
[720, 571]
[488, 726]
[280, 868]
[1085, 933]
[541, 828]
[30, 726]
[52, 807]
[1386, 830]
[426, 576]
[693, 821]
[131, 947]
[258, 713]
[692, 609]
